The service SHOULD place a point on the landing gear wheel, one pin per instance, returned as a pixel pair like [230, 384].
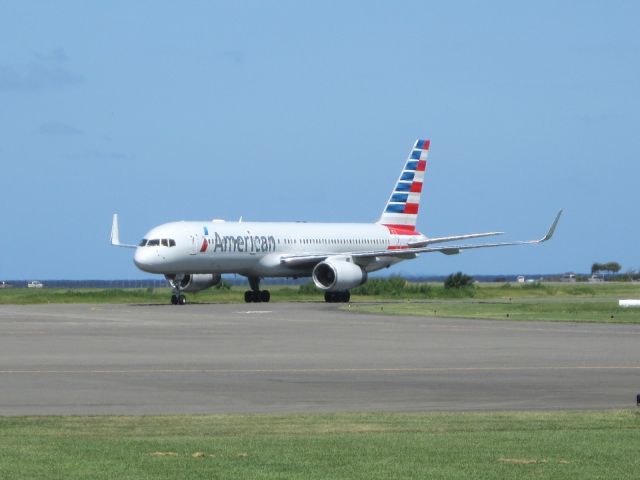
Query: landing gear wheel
[334, 297]
[257, 296]
[182, 300]
[174, 299]
[251, 296]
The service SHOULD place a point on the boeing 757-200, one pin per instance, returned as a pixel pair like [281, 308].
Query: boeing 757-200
[337, 256]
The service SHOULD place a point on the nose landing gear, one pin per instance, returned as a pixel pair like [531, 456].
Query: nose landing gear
[256, 295]
[177, 282]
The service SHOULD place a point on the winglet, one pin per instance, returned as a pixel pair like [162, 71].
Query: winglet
[115, 231]
[552, 229]
[115, 234]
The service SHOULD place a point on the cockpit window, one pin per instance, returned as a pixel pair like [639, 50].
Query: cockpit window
[156, 242]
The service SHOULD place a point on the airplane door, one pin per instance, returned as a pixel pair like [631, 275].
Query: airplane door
[252, 251]
[193, 248]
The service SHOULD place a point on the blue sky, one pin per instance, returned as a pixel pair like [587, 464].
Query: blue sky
[194, 110]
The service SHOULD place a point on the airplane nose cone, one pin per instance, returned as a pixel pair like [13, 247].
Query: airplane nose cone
[143, 259]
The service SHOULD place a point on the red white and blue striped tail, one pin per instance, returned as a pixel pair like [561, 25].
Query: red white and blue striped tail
[401, 211]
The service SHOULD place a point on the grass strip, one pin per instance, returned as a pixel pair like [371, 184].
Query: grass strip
[393, 289]
[546, 302]
[559, 310]
[562, 445]
[152, 296]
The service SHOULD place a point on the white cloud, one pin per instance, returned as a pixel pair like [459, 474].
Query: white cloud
[45, 71]
[57, 128]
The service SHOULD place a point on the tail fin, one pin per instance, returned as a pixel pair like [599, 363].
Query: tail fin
[401, 210]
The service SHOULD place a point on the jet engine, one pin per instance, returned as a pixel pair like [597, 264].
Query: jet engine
[334, 275]
[195, 282]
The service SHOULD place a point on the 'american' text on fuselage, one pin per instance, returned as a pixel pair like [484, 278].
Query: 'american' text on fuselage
[242, 244]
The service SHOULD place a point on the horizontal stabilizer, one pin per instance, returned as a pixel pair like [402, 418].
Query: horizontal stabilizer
[454, 249]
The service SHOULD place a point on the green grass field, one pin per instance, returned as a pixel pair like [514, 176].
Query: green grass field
[557, 310]
[547, 302]
[374, 290]
[565, 445]
[27, 296]
[569, 303]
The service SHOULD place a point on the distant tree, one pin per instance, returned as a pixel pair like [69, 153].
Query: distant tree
[613, 267]
[458, 280]
[628, 276]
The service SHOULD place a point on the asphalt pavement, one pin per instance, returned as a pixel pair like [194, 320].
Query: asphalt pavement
[302, 357]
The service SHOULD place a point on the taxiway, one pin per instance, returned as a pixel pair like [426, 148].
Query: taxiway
[302, 357]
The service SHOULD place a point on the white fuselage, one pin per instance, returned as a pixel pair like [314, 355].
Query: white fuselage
[257, 248]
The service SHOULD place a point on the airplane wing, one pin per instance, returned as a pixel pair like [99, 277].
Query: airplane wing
[411, 252]
[115, 234]
[429, 241]
[455, 249]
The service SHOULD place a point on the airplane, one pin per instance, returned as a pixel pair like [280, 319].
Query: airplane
[193, 256]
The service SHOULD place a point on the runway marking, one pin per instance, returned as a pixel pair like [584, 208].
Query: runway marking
[471, 324]
[329, 370]
[250, 312]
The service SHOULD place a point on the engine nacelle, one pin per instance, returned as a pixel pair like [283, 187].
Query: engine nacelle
[338, 274]
[196, 282]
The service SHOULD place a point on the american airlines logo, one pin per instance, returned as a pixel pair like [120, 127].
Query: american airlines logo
[242, 244]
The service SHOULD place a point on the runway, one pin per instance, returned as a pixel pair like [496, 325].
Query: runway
[302, 357]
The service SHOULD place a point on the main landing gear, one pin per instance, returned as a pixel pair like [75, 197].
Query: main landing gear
[178, 300]
[255, 294]
[337, 297]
